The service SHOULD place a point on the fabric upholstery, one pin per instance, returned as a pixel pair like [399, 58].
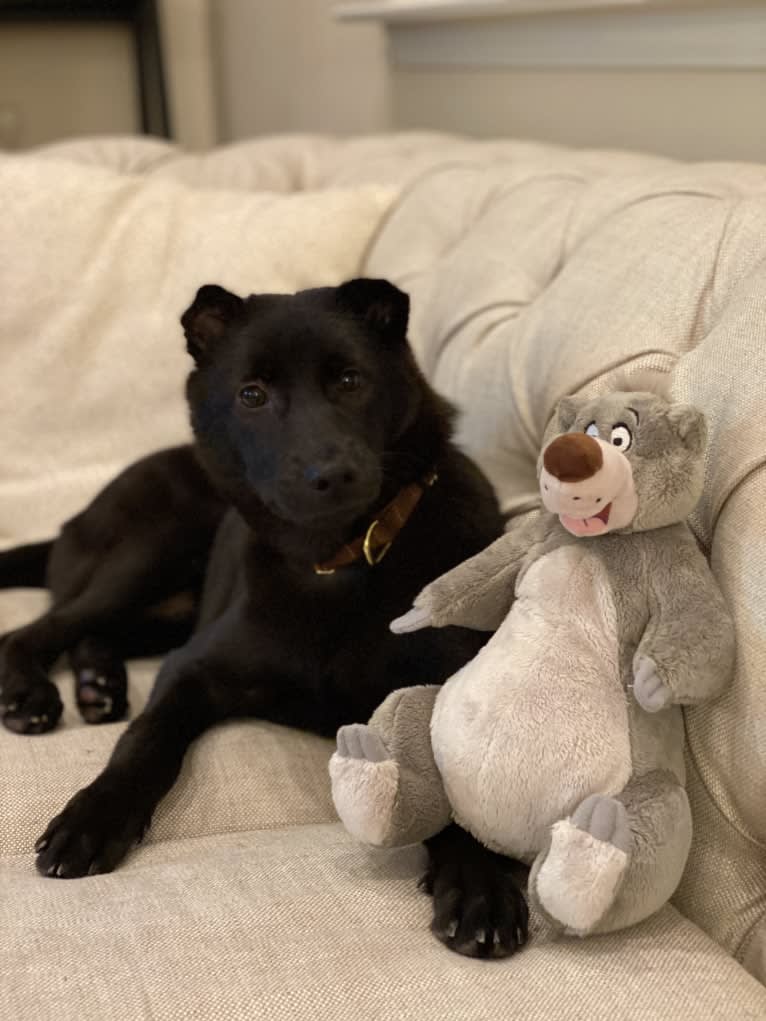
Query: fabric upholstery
[534, 271]
[303, 923]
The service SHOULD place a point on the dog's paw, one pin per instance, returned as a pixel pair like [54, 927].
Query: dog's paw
[92, 835]
[578, 878]
[365, 783]
[101, 692]
[29, 704]
[479, 909]
[651, 692]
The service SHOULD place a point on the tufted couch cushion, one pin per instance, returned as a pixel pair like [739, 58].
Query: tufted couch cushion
[534, 271]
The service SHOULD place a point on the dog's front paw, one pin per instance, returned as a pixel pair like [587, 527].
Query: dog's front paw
[651, 691]
[92, 835]
[479, 908]
[577, 880]
[365, 783]
[29, 704]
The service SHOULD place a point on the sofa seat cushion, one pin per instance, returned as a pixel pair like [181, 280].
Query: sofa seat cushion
[304, 923]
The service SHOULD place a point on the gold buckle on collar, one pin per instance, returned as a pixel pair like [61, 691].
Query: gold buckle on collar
[369, 556]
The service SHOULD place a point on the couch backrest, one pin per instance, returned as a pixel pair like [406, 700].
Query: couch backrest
[540, 277]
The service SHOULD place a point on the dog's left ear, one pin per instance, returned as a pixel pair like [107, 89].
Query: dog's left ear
[383, 308]
[209, 316]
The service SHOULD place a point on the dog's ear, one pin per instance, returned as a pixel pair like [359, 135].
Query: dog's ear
[381, 307]
[209, 316]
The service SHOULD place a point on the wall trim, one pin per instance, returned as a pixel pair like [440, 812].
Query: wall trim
[440, 10]
[707, 37]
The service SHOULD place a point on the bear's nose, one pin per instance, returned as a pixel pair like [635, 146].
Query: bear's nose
[573, 457]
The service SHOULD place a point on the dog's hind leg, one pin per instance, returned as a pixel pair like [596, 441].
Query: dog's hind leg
[106, 606]
[100, 680]
[97, 662]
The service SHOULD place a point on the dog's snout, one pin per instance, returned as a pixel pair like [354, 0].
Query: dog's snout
[573, 457]
[327, 476]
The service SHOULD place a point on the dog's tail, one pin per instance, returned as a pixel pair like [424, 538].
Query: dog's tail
[25, 566]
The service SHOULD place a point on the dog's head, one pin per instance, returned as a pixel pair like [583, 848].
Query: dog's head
[294, 398]
[622, 462]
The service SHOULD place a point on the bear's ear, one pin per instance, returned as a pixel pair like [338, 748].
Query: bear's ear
[383, 309]
[690, 426]
[208, 318]
[567, 410]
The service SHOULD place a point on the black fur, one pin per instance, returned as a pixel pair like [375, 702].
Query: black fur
[309, 415]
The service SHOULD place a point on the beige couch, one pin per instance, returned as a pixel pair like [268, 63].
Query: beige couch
[534, 272]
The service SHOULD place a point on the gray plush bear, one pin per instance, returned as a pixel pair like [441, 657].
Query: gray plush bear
[561, 743]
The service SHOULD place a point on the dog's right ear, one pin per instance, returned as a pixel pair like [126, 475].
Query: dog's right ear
[209, 316]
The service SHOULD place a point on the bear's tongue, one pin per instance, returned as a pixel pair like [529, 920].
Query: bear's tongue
[587, 526]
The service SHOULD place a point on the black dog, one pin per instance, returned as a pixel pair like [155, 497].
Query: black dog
[314, 425]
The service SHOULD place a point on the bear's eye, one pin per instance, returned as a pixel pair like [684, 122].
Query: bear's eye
[592, 429]
[253, 396]
[621, 437]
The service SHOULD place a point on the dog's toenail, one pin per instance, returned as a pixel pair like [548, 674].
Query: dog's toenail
[452, 928]
[481, 936]
[34, 719]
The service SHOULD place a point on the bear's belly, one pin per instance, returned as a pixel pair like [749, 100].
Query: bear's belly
[538, 720]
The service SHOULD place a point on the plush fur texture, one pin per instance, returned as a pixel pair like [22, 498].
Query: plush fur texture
[561, 742]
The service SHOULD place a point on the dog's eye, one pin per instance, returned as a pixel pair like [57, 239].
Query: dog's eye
[253, 396]
[621, 437]
[350, 379]
[592, 429]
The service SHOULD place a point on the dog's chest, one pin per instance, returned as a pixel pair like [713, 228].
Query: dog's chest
[538, 720]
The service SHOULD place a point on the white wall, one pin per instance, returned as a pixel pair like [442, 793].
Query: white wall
[690, 114]
[287, 65]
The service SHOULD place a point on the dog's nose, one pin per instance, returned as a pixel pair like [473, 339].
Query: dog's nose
[329, 476]
[573, 457]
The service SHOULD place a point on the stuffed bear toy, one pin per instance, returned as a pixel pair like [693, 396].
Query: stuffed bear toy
[561, 742]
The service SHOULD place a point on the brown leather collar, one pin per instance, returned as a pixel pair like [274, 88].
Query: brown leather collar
[376, 541]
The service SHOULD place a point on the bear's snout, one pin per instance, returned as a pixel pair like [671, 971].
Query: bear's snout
[573, 457]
